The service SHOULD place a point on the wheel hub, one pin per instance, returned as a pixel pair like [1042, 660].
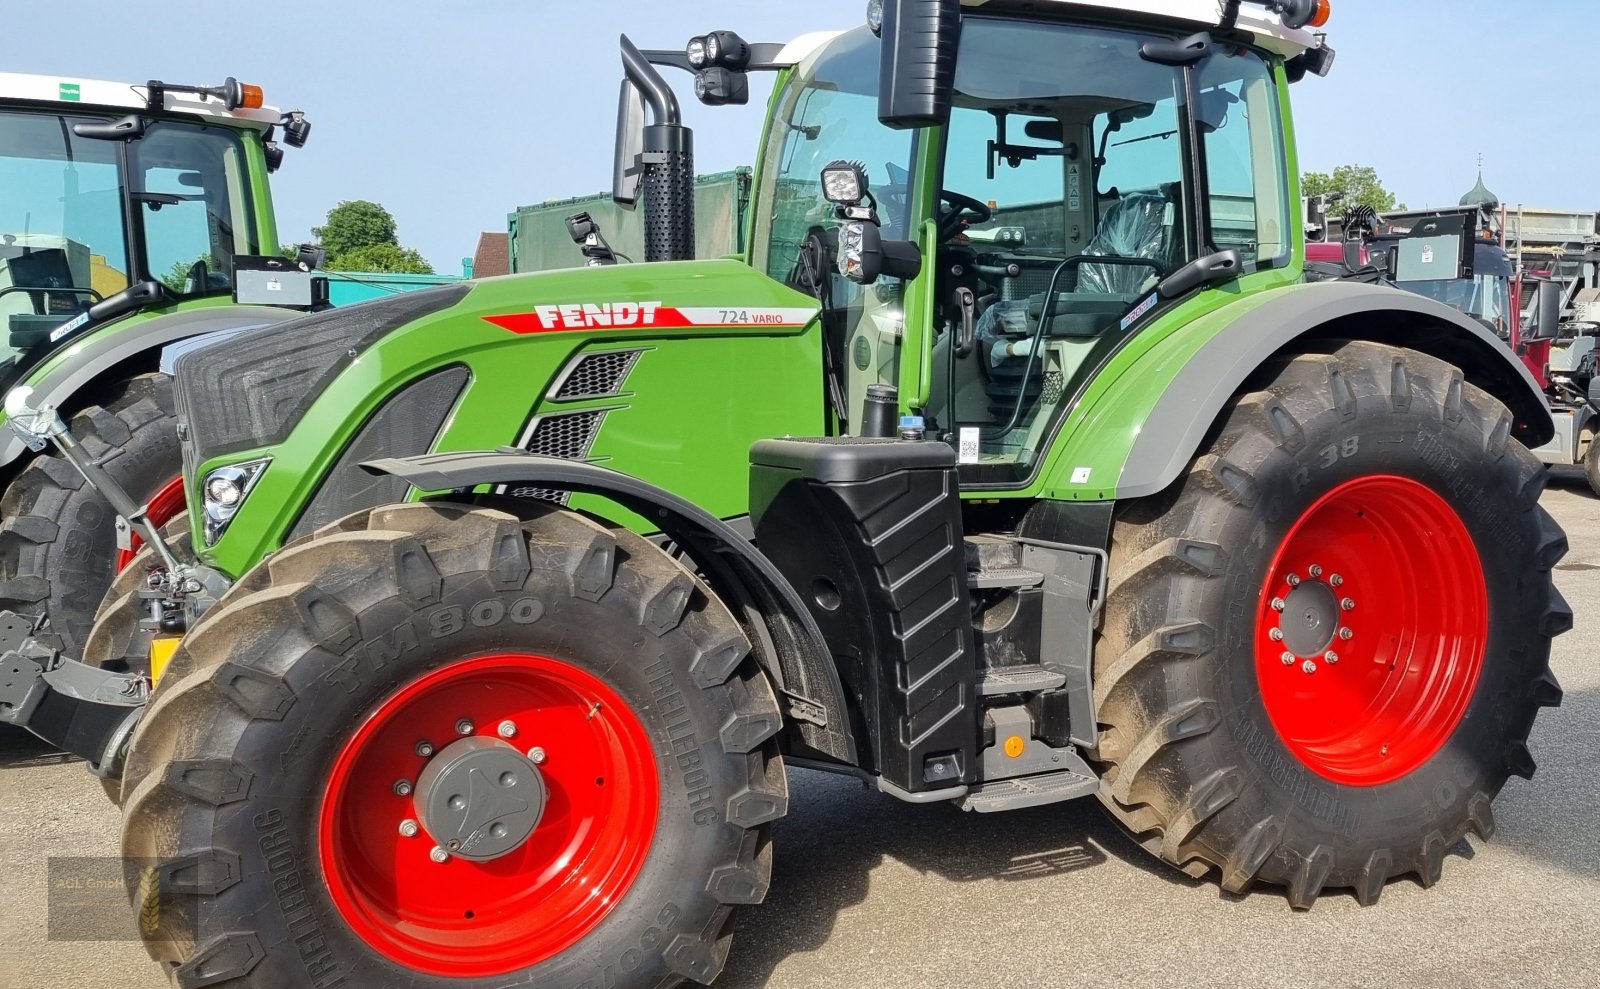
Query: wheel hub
[479, 798]
[1310, 618]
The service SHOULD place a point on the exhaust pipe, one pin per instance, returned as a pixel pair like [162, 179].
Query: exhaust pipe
[665, 162]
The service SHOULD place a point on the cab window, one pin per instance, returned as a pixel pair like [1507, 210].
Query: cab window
[1237, 118]
[193, 199]
[1068, 159]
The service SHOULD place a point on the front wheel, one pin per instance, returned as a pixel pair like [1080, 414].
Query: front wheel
[443, 746]
[1591, 465]
[1323, 650]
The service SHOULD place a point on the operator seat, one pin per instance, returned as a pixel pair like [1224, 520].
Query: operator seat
[1138, 225]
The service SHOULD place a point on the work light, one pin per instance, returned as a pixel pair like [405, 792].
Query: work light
[844, 183]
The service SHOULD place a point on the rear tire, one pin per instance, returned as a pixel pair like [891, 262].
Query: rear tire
[1591, 465]
[58, 541]
[1190, 689]
[261, 777]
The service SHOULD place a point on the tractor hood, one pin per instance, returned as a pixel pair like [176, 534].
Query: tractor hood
[652, 368]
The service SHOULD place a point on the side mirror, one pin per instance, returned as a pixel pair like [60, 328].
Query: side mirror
[1547, 312]
[917, 63]
[864, 256]
[626, 172]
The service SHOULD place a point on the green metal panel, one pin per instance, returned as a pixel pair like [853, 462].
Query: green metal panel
[539, 240]
[697, 399]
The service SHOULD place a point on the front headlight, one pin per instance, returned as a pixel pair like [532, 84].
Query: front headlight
[224, 492]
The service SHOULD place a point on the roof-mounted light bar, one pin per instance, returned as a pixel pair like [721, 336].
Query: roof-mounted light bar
[235, 95]
[1299, 14]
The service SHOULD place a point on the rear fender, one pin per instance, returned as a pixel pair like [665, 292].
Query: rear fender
[788, 643]
[64, 382]
[1162, 404]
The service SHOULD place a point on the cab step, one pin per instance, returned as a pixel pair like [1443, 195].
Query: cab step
[1030, 679]
[1027, 791]
[985, 580]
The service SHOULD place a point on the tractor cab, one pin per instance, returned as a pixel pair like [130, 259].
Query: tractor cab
[122, 198]
[1081, 167]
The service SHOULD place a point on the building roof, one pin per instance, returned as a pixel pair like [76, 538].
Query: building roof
[493, 256]
[1480, 195]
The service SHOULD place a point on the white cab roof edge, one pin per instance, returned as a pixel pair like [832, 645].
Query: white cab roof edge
[100, 94]
[805, 46]
[1267, 27]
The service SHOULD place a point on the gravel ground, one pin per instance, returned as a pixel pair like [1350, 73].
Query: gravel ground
[866, 886]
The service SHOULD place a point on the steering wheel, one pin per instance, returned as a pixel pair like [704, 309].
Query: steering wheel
[961, 207]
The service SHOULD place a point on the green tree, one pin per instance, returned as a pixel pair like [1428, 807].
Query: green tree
[382, 257]
[354, 224]
[1360, 185]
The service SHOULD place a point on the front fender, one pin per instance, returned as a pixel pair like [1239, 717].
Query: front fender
[1160, 405]
[58, 381]
[792, 650]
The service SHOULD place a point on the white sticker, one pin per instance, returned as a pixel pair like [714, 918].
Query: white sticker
[1169, 216]
[968, 453]
[68, 327]
[273, 285]
[1074, 187]
[1080, 475]
[1427, 254]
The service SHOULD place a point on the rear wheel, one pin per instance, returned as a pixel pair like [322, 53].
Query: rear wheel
[1591, 465]
[58, 541]
[451, 748]
[1323, 650]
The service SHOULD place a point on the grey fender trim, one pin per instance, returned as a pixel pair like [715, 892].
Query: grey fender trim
[108, 346]
[796, 653]
[1177, 425]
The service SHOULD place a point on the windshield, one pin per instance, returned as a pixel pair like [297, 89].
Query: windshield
[1487, 298]
[829, 112]
[64, 226]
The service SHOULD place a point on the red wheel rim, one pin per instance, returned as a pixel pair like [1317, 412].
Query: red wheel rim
[167, 505]
[1371, 630]
[467, 918]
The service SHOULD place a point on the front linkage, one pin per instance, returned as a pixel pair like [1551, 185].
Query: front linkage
[81, 709]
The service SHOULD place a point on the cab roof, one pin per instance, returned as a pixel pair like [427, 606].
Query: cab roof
[1267, 27]
[70, 92]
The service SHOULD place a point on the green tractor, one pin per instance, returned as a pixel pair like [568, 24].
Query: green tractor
[125, 209]
[1016, 462]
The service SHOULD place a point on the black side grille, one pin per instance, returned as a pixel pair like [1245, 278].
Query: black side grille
[566, 436]
[251, 389]
[407, 425]
[596, 375]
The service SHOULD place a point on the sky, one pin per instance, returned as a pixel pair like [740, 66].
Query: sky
[453, 113]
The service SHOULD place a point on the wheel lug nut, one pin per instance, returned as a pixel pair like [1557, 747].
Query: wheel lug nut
[408, 828]
[1347, 633]
[507, 729]
[1294, 580]
[439, 855]
[424, 748]
[1336, 580]
[1309, 666]
[536, 755]
[1331, 656]
[464, 727]
[1288, 659]
[1348, 604]
[402, 788]
[1315, 570]
[1276, 635]
[1277, 604]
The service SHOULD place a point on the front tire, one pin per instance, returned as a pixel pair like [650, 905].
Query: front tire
[58, 541]
[1324, 648]
[314, 764]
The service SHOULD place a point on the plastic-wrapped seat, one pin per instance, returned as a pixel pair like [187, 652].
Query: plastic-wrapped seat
[1135, 226]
